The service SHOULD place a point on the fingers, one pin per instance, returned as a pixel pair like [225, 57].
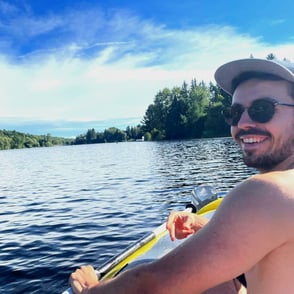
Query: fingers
[170, 225]
[179, 225]
[76, 283]
[83, 278]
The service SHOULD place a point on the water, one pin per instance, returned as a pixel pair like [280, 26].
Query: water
[62, 207]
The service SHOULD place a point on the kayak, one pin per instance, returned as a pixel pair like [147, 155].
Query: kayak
[205, 200]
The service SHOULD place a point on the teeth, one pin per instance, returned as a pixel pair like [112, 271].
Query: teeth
[251, 140]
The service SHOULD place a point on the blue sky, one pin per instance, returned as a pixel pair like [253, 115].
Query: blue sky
[75, 60]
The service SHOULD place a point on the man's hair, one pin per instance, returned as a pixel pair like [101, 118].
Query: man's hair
[259, 76]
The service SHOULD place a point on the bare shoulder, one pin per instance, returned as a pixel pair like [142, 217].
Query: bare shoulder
[276, 186]
[266, 199]
[275, 177]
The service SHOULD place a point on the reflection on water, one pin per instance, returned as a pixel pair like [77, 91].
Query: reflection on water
[66, 206]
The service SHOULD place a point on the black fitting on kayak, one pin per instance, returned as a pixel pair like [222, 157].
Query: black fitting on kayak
[192, 206]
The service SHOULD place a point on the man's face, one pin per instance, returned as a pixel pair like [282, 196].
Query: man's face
[265, 145]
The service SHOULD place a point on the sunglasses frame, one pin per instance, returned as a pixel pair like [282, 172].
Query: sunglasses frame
[255, 115]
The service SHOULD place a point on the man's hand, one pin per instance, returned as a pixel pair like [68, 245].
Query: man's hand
[82, 279]
[182, 224]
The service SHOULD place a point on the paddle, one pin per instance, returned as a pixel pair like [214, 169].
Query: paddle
[199, 199]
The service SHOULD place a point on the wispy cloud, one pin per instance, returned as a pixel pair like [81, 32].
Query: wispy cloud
[278, 21]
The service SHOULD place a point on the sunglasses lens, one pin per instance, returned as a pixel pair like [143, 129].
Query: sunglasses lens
[261, 111]
[233, 114]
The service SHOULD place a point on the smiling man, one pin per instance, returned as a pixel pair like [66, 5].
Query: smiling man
[256, 100]
[252, 231]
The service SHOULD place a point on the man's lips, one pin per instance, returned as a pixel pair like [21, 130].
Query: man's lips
[252, 137]
[252, 133]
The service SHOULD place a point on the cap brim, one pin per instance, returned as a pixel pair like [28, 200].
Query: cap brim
[226, 73]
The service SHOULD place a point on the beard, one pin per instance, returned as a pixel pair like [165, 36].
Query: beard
[268, 161]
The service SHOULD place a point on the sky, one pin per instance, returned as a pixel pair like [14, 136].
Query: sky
[87, 60]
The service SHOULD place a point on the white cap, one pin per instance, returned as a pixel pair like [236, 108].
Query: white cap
[226, 73]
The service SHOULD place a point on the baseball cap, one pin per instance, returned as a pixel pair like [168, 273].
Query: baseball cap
[226, 73]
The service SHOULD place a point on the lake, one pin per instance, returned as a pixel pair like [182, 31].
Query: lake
[62, 207]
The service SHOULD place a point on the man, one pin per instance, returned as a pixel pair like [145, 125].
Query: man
[252, 231]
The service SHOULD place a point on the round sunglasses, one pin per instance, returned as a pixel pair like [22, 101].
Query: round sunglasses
[261, 111]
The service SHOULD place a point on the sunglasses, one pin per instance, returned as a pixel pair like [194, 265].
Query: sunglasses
[261, 111]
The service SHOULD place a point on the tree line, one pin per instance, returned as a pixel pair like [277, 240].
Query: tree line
[18, 140]
[109, 135]
[184, 112]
